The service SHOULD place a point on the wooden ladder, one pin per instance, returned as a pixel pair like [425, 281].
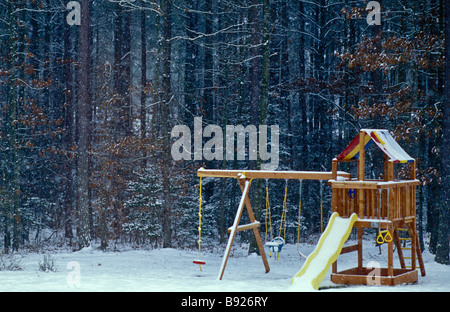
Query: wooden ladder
[244, 183]
[413, 248]
[404, 240]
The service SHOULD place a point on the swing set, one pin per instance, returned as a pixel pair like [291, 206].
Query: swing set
[245, 178]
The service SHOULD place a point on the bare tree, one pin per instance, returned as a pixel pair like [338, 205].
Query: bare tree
[84, 126]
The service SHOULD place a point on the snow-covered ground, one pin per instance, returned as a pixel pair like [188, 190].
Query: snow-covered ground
[172, 270]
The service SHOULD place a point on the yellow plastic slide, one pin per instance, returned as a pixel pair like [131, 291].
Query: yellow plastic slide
[326, 252]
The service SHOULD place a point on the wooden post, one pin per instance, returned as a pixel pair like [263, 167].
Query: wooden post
[412, 234]
[415, 247]
[334, 168]
[361, 173]
[233, 232]
[334, 192]
[251, 216]
[418, 250]
[360, 251]
[386, 160]
[390, 253]
[334, 267]
[407, 211]
[390, 171]
[413, 170]
[361, 161]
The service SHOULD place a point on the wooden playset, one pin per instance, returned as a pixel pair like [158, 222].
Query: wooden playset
[388, 205]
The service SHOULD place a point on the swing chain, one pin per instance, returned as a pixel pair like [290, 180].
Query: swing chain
[199, 224]
[284, 211]
[268, 213]
[299, 209]
[200, 216]
[321, 207]
[383, 236]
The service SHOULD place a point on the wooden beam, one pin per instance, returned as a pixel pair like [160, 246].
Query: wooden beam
[372, 223]
[350, 248]
[268, 174]
[245, 227]
[354, 184]
[372, 184]
[359, 276]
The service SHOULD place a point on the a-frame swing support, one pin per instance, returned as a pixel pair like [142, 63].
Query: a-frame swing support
[244, 183]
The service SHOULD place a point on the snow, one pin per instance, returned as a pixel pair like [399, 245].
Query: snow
[172, 270]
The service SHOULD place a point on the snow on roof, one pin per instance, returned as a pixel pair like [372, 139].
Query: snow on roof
[383, 139]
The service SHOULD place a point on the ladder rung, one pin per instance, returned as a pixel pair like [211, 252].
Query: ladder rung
[406, 248]
[400, 229]
[404, 238]
[246, 226]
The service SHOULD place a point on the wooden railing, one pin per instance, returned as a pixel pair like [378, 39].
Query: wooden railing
[376, 200]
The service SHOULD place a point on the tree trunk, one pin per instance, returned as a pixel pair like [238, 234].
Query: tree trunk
[255, 65]
[255, 102]
[84, 125]
[208, 84]
[12, 170]
[68, 122]
[442, 248]
[143, 85]
[165, 112]
[265, 64]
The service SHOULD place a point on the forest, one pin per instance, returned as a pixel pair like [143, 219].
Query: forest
[91, 90]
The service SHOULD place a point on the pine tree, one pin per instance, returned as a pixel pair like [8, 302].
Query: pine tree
[144, 206]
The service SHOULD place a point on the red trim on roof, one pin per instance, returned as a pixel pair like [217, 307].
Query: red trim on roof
[349, 148]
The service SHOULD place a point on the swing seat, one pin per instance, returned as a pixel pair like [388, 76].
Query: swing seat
[199, 262]
[276, 244]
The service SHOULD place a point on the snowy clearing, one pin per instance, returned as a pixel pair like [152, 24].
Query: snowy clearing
[172, 270]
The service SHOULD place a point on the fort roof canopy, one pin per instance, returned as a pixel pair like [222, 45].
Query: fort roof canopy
[383, 139]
